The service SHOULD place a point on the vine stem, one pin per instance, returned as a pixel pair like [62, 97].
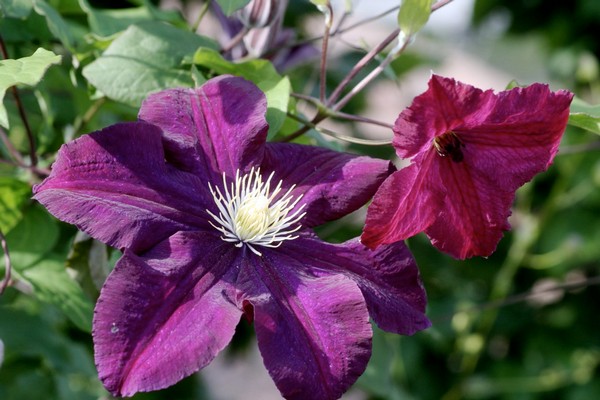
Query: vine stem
[360, 65]
[331, 102]
[328, 13]
[402, 44]
[7, 263]
[201, 15]
[22, 114]
[344, 138]
[235, 40]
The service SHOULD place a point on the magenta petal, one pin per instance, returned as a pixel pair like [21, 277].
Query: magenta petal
[163, 316]
[443, 107]
[388, 278]
[405, 204]
[520, 135]
[313, 332]
[332, 184]
[473, 213]
[115, 185]
[470, 150]
[218, 127]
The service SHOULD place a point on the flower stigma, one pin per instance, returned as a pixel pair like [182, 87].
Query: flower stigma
[250, 215]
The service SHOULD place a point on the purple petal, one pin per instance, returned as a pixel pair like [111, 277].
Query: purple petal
[313, 332]
[388, 278]
[115, 185]
[163, 316]
[332, 184]
[218, 127]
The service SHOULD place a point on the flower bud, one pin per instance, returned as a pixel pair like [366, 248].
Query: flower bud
[261, 13]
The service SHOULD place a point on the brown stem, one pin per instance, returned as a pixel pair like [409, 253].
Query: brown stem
[360, 65]
[22, 114]
[328, 13]
[12, 150]
[7, 263]
[235, 40]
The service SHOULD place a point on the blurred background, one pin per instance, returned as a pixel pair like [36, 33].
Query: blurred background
[522, 324]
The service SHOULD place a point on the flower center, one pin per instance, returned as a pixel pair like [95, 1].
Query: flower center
[449, 144]
[250, 215]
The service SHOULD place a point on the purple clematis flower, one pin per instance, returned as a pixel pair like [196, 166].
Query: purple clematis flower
[470, 151]
[215, 223]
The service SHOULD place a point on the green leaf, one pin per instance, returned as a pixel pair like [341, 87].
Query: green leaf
[107, 22]
[52, 284]
[276, 88]
[15, 8]
[146, 58]
[87, 263]
[585, 116]
[56, 23]
[42, 358]
[32, 238]
[32, 245]
[229, 6]
[26, 70]
[13, 196]
[413, 15]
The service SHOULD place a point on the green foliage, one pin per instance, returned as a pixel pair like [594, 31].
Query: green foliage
[15, 8]
[585, 116]
[13, 196]
[413, 15]
[39, 261]
[276, 88]
[492, 338]
[146, 58]
[229, 6]
[26, 70]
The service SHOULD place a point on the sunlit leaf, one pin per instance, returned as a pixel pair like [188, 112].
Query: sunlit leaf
[26, 70]
[585, 116]
[145, 58]
[413, 15]
[13, 196]
[276, 88]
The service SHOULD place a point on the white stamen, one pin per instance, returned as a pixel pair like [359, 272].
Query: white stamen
[249, 214]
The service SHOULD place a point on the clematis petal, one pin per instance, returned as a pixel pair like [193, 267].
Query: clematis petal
[218, 127]
[405, 204]
[445, 105]
[114, 184]
[332, 184]
[388, 278]
[498, 142]
[519, 136]
[165, 315]
[473, 212]
[313, 331]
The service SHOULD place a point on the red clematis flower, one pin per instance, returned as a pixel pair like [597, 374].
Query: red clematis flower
[470, 151]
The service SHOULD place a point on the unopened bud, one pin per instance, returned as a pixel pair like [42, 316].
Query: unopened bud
[261, 13]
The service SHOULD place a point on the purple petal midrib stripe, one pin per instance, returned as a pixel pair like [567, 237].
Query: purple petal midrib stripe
[283, 291]
[169, 211]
